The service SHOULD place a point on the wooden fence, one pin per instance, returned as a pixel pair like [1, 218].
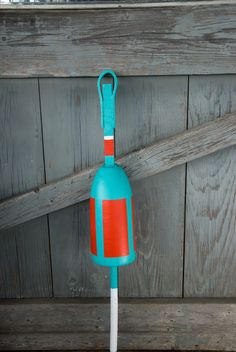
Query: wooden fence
[176, 136]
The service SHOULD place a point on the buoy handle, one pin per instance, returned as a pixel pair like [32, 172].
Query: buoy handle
[107, 94]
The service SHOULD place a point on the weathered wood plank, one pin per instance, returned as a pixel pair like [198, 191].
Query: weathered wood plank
[159, 227]
[164, 325]
[194, 38]
[24, 250]
[211, 191]
[67, 149]
[73, 140]
[111, 4]
[163, 155]
[152, 108]
[9, 272]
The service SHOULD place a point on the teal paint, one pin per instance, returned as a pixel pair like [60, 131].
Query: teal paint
[130, 225]
[107, 100]
[99, 228]
[111, 184]
[109, 160]
[114, 276]
[120, 261]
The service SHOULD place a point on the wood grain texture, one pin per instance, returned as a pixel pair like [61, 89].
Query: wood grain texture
[81, 139]
[149, 109]
[163, 40]
[24, 250]
[163, 155]
[164, 325]
[211, 192]
[73, 141]
[96, 4]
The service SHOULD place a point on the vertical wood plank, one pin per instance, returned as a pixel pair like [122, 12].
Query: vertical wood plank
[211, 192]
[24, 251]
[149, 109]
[73, 141]
[9, 269]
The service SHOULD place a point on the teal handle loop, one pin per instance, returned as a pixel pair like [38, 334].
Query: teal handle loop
[115, 85]
[107, 98]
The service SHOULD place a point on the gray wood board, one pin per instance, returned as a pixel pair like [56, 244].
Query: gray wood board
[165, 154]
[211, 192]
[150, 109]
[47, 4]
[144, 113]
[24, 250]
[163, 40]
[73, 141]
[143, 324]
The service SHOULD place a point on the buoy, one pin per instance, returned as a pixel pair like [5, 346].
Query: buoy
[112, 241]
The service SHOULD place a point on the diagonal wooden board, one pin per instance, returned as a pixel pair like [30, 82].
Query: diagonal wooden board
[163, 155]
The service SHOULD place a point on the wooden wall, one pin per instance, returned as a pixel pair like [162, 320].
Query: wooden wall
[185, 217]
[176, 68]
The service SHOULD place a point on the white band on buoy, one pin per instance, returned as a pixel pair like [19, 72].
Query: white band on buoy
[114, 319]
[108, 138]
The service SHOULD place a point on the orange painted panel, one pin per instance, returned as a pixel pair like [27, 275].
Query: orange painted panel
[109, 147]
[93, 244]
[115, 228]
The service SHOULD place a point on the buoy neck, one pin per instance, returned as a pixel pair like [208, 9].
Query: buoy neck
[108, 117]
[114, 277]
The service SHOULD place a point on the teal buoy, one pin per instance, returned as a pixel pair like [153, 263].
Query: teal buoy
[112, 241]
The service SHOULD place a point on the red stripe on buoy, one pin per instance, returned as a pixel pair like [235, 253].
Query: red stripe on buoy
[93, 244]
[134, 234]
[115, 228]
[108, 147]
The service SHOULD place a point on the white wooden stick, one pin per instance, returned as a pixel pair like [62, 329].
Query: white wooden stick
[114, 319]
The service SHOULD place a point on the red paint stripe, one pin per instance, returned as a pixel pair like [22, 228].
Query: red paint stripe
[93, 244]
[109, 147]
[134, 232]
[115, 228]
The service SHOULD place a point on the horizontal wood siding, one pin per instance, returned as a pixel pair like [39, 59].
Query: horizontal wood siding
[143, 325]
[189, 38]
